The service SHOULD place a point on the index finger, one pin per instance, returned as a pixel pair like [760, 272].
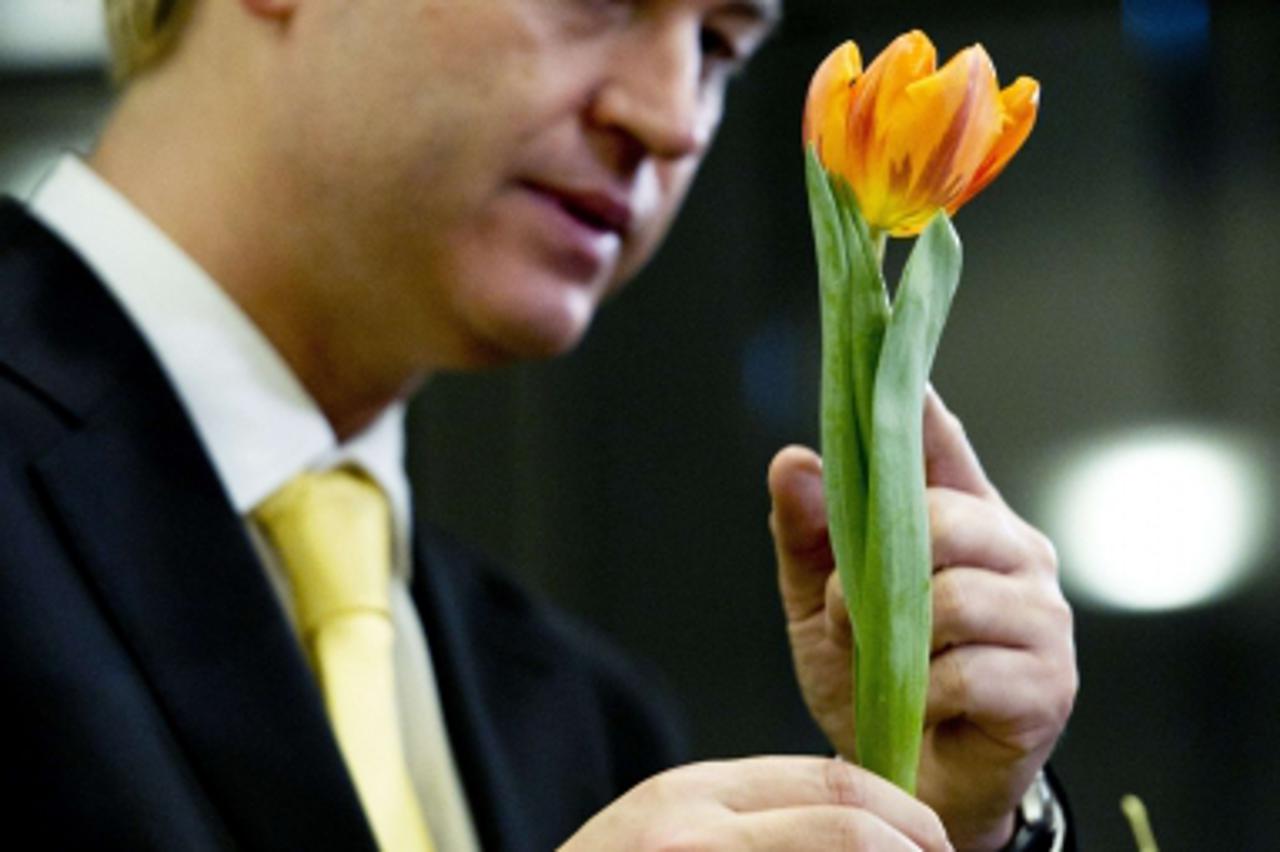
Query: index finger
[950, 461]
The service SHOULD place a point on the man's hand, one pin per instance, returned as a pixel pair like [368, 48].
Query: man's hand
[1002, 679]
[763, 803]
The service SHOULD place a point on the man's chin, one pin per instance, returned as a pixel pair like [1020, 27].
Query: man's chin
[506, 344]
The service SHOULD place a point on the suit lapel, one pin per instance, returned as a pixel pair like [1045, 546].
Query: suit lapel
[144, 514]
[472, 735]
[463, 633]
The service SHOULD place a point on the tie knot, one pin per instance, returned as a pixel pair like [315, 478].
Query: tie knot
[332, 531]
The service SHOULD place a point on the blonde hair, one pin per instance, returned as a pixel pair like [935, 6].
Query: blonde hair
[142, 31]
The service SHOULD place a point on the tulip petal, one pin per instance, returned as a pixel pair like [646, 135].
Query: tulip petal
[876, 96]
[938, 134]
[827, 105]
[1019, 103]
[909, 58]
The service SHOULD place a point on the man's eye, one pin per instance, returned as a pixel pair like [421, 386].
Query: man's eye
[719, 47]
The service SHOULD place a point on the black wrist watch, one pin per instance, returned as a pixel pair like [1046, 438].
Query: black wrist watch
[1040, 823]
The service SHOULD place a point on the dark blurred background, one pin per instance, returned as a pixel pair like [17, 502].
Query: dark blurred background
[1114, 351]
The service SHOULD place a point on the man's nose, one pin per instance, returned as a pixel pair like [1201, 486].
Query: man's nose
[653, 94]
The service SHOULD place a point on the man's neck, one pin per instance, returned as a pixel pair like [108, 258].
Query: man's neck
[201, 199]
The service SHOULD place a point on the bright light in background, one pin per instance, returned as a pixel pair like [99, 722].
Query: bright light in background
[1160, 519]
[50, 34]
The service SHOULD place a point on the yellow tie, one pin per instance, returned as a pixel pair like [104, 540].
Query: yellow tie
[333, 533]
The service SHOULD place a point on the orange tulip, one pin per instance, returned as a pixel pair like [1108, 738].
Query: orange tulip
[909, 138]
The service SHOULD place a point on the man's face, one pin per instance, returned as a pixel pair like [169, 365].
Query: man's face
[480, 174]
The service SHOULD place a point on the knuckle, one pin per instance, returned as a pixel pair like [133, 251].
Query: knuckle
[845, 785]
[1048, 715]
[1059, 620]
[949, 599]
[1063, 706]
[1036, 727]
[1065, 698]
[1031, 740]
[839, 630]
[1038, 552]
[951, 676]
[942, 523]
[1064, 618]
[1042, 553]
[667, 786]
[835, 592]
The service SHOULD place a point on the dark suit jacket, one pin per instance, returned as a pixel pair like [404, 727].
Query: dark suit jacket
[156, 696]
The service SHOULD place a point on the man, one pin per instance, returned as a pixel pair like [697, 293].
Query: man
[298, 211]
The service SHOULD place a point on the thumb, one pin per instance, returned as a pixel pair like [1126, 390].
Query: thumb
[798, 522]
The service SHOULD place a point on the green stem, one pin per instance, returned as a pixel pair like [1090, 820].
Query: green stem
[879, 239]
[892, 616]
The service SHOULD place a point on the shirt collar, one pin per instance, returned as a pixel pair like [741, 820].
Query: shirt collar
[256, 421]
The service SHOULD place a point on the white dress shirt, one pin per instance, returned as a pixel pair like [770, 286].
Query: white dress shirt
[260, 428]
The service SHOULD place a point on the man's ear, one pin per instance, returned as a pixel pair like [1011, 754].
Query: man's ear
[278, 9]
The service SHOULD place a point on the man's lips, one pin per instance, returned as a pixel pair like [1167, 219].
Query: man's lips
[599, 210]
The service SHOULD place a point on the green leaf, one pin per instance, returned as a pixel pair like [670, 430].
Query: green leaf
[844, 466]
[868, 304]
[892, 611]
[854, 312]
